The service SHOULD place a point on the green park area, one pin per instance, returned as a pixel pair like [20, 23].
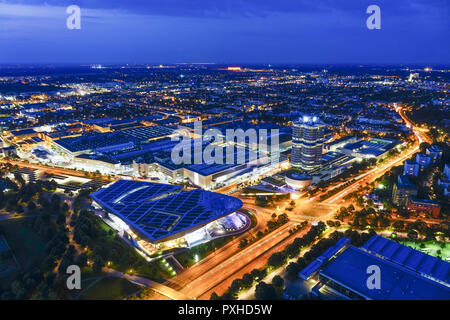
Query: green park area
[434, 248]
[26, 245]
[108, 288]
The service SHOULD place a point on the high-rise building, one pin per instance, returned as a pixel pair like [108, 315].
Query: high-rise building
[307, 143]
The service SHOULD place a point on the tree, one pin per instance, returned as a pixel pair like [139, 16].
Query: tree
[424, 146]
[278, 281]
[398, 225]
[81, 260]
[98, 265]
[31, 206]
[360, 201]
[235, 286]
[265, 291]
[247, 280]
[243, 243]
[413, 235]
[292, 270]
[214, 296]
[258, 274]
[276, 259]
[283, 218]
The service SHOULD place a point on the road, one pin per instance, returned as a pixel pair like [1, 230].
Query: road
[155, 286]
[214, 276]
[377, 172]
[48, 169]
[258, 263]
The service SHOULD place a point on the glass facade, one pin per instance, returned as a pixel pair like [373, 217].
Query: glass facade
[307, 143]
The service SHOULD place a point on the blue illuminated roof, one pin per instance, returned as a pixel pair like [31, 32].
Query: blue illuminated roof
[324, 257]
[409, 258]
[397, 283]
[310, 269]
[163, 210]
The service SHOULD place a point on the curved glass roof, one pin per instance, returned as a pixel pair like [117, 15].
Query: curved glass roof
[162, 210]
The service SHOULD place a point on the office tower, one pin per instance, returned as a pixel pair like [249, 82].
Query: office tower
[307, 143]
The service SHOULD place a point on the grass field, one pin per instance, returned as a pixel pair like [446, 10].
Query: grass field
[109, 288]
[27, 246]
[430, 247]
[7, 265]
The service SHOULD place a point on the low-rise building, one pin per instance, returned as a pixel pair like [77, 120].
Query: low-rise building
[423, 206]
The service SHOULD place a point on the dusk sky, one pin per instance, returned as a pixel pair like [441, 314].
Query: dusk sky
[225, 31]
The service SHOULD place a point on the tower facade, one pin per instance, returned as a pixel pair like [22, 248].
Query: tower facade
[307, 143]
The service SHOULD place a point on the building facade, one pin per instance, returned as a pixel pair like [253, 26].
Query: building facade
[403, 189]
[410, 168]
[307, 143]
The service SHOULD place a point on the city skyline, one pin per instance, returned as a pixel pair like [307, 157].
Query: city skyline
[271, 152]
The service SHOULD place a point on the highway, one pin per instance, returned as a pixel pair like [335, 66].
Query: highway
[214, 276]
[48, 169]
[257, 263]
[377, 172]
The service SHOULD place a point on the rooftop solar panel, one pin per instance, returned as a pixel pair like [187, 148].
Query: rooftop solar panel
[402, 254]
[414, 260]
[397, 283]
[390, 249]
[161, 210]
[442, 271]
[369, 242]
[427, 264]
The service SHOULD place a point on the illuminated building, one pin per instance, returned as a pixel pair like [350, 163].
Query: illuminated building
[410, 168]
[158, 217]
[423, 206]
[435, 153]
[403, 189]
[307, 143]
[298, 181]
[405, 273]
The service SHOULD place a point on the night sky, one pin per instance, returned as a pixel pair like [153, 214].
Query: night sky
[225, 31]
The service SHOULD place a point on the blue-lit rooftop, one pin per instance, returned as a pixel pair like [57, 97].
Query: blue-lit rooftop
[161, 211]
[397, 282]
[415, 260]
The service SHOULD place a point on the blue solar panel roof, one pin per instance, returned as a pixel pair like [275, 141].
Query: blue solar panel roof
[317, 263]
[331, 251]
[349, 269]
[310, 269]
[162, 210]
